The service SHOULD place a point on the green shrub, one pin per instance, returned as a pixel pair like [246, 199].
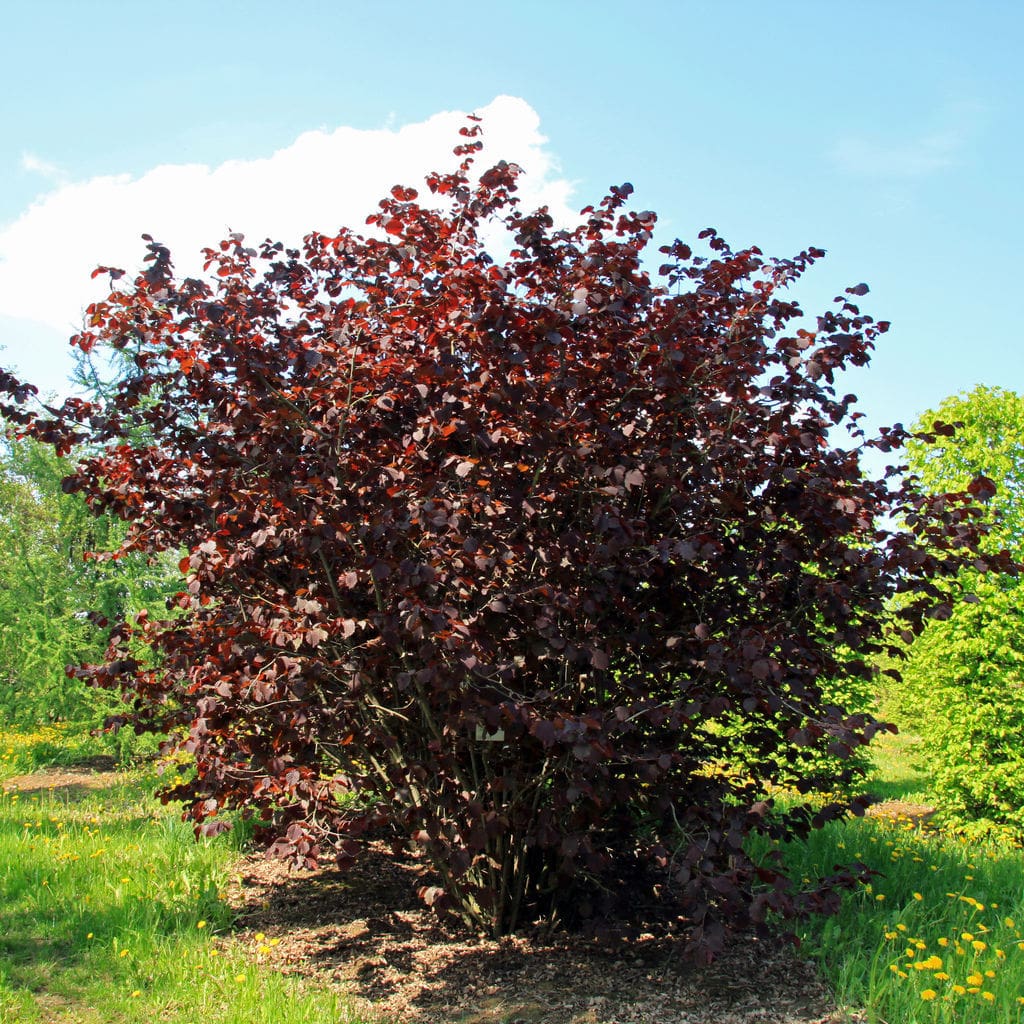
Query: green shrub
[963, 691]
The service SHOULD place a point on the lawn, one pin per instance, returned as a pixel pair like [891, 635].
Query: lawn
[111, 912]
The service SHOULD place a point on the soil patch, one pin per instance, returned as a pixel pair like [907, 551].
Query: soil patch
[69, 783]
[903, 810]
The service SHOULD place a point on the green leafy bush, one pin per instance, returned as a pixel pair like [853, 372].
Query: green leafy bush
[963, 683]
[966, 678]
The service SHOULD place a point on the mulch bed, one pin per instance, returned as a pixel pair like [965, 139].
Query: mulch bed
[366, 932]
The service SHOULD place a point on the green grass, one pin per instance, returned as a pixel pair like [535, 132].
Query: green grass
[111, 912]
[938, 935]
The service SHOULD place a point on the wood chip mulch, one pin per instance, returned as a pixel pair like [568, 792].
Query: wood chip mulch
[366, 933]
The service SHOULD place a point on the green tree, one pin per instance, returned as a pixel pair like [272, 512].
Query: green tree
[50, 580]
[963, 683]
[988, 442]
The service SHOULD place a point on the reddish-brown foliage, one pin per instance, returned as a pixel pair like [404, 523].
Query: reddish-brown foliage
[485, 551]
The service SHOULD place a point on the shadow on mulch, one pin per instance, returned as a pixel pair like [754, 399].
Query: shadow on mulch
[366, 932]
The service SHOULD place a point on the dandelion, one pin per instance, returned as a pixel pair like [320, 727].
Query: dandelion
[975, 979]
[918, 896]
[933, 963]
[959, 990]
[967, 936]
[943, 941]
[240, 979]
[136, 994]
[891, 935]
[928, 994]
[1009, 922]
[200, 924]
[880, 897]
[941, 976]
[979, 946]
[259, 936]
[989, 996]
[124, 952]
[990, 974]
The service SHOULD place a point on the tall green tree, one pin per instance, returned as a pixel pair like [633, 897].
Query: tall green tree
[53, 578]
[963, 684]
[989, 441]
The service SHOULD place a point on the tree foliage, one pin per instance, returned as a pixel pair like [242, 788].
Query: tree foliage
[52, 577]
[962, 687]
[487, 552]
[981, 434]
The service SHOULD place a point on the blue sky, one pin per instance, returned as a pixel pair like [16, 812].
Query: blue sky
[888, 133]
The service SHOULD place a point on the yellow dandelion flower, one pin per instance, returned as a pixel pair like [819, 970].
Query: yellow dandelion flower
[89, 936]
[979, 946]
[989, 996]
[124, 952]
[1009, 922]
[966, 936]
[903, 928]
[1000, 954]
[975, 979]
[136, 994]
[928, 994]
[943, 941]
[933, 963]
[918, 896]
[941, 976]
[990, 974]
[880, 897]
[240, 979]
[891, 935]
[259, 936]
[959, 990]
[200, 924]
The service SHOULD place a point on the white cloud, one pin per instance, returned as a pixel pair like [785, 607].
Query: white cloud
[37, 165]
[915, 157]
[323, 180]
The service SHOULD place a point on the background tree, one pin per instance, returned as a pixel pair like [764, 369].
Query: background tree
[53, 578]
[963, 686]
[487, 553]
